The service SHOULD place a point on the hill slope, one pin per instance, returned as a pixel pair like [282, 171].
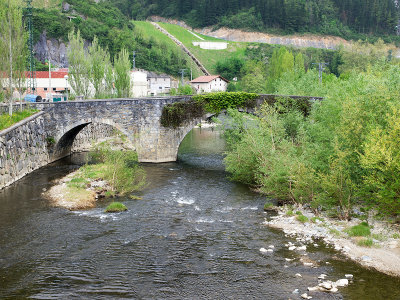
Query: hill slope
[351, 19]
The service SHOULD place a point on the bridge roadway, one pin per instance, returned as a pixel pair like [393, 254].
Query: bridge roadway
[50, 134]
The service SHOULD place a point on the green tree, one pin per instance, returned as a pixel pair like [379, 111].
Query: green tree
[253, 81]
[281, 61]
[79, 65]
[122, 67]
[12, 45]
[99, 60]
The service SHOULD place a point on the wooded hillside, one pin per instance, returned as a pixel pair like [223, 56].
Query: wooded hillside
[346, 18]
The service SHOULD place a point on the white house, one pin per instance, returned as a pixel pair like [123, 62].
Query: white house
[139, 84]
[158, 83]
[207, 84]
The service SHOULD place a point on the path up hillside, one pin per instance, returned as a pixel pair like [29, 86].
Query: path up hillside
[208, 58]
[185, 49]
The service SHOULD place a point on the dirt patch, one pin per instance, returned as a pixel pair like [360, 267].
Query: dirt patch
[72, 198]
[314, 41]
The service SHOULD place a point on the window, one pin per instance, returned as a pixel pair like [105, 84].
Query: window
[54, 89]
[45, 89]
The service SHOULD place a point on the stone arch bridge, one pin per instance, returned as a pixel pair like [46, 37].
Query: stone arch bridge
[51, 134]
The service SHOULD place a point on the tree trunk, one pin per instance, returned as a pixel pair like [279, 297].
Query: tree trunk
[10, 110]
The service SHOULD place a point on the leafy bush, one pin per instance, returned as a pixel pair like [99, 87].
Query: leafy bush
[342, 153]
[301, 218]
[120, 169]
[359, 230]
[365, 243]
[230, 68]
[174, 115]
[116, 207]
[268, 206]
[216, 102]
[182, 90]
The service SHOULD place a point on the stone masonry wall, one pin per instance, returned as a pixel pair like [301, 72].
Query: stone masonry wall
[23, 148]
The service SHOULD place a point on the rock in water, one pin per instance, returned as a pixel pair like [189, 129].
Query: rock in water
[314, 289]
[342, 282]
[305, 296]
[327, 285]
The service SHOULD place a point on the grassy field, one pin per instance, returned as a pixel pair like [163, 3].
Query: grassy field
[209, 58]
[149, 30]
[7, 121]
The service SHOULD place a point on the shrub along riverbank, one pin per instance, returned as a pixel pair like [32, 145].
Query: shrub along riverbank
[112, 173]
[345, 154]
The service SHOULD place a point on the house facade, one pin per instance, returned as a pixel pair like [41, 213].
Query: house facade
[158, 84]
[208, 84]
[54, 87]
[45, 87]
[139, 84]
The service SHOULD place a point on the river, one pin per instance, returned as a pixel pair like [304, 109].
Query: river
[194, 235]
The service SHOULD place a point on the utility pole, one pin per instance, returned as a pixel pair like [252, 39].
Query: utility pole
[182, 72]
[321, 68]
[31, 60]
[50, 89]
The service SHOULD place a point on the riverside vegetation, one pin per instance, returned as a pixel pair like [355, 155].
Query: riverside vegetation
[343, 155]
[174, 115]
[113, 173]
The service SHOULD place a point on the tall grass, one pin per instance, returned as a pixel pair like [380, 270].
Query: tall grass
[7, 121]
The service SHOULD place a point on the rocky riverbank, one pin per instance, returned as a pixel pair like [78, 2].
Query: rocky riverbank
[67, 195]
[380, 249]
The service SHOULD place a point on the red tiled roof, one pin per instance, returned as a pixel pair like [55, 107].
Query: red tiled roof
[45, 74]
[40, 74]
[206, 79]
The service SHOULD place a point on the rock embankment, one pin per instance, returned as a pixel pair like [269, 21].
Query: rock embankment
[383, 255]
[304, 41]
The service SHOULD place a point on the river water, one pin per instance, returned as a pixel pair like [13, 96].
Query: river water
[194, 235]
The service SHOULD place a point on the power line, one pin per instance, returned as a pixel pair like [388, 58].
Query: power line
[321, 68]
[182, 72]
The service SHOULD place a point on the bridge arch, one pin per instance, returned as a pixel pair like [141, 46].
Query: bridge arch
[64, 140]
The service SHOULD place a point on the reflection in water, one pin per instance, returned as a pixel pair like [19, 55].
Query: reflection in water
[195, 234]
